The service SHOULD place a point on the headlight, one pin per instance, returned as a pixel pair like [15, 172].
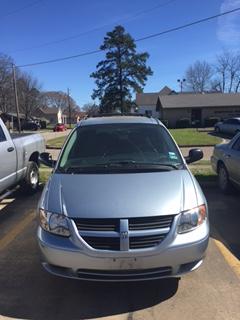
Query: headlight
[191, 219]
[54, 223]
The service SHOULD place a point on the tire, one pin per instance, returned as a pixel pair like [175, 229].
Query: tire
[31, 181]
[223, 179]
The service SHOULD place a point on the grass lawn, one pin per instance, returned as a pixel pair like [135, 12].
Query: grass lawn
[44, 174]
[56, 142]
[183, 137]
[202, 170]
[191, 136]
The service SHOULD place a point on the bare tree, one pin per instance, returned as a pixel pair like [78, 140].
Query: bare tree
[90, 108]
[57, 99]
[228, 71]
[198, 76]
[6, 88]
[28, 94]
[60, 100]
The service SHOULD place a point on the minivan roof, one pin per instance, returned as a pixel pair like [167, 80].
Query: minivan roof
[118, 119]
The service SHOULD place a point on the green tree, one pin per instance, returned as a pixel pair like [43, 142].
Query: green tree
[122, 72]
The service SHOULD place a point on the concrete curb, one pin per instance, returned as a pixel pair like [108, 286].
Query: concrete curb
[53, 147]
[196, 146]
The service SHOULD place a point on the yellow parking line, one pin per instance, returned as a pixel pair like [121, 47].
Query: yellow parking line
[229, 257]
[12, 234]
[6, 202]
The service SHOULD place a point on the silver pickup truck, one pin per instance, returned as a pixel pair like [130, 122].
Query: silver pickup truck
[19, 160]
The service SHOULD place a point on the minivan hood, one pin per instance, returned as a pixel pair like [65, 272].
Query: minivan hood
[121, 195]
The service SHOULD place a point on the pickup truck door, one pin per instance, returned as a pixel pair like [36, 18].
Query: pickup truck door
[8, 162]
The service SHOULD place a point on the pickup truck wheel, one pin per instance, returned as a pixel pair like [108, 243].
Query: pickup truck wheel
[223, 179]
[31, 181]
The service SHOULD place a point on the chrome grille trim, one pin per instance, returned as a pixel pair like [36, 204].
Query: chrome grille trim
[124, 234]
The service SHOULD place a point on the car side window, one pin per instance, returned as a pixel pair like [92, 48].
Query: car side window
[2, 135]
[236, 145]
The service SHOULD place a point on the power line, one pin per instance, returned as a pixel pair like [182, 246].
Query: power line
[95, 29]
[21, 9]
[188, 25]
[60, 59]
[137, 40]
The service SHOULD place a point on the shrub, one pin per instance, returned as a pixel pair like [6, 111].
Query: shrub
[183, 123]
[43, 124]
[210, 122]
[165, 122]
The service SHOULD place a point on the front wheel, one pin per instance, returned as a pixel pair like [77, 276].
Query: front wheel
[223, 179]
[31, 181]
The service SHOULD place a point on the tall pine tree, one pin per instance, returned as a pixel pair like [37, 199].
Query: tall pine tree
[122, 72]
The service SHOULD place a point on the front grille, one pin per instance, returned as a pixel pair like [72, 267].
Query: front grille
[145, 241]
[150, 223]
[97, 224]
[138, 233]
[103, 243]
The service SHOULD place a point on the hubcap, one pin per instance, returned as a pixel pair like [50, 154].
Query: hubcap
[33, 177]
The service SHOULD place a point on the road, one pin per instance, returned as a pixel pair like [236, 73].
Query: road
[28, 292]
[48, 135]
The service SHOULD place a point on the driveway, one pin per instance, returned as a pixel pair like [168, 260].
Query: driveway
[48, 135]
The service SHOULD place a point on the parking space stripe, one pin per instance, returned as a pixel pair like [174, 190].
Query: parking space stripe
[6, 202]
[229, 257]
[12, 234]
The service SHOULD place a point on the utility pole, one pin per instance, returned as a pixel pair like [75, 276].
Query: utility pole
[69, 109]
[16, 97]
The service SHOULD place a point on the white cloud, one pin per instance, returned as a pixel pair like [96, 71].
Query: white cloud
[228, 30]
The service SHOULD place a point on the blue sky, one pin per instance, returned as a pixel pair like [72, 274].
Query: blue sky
[28, 26]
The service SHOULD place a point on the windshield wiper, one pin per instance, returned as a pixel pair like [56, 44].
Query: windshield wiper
[135, 164]
[122, 165]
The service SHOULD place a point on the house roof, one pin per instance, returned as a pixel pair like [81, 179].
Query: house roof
[198, 100]
[48, 110]
[166, 91]
[51, 110]
[148, 99]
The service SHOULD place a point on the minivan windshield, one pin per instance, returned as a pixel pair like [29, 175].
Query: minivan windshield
[119, 146]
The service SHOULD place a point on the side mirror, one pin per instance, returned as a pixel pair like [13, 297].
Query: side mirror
[194, 155]
[46, 159]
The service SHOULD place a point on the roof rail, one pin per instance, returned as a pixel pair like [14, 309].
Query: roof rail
[114, 114]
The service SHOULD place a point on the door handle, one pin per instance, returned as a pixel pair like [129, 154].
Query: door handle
[10, 149]
[227, 156]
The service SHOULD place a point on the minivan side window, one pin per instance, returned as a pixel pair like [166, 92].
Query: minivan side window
[2, 135]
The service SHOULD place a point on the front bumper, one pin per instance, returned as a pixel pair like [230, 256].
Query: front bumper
[176, 255]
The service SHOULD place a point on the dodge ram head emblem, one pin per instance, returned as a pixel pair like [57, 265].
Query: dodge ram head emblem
[124, 234]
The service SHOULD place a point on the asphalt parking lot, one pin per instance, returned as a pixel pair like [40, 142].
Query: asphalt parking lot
[28, 292]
